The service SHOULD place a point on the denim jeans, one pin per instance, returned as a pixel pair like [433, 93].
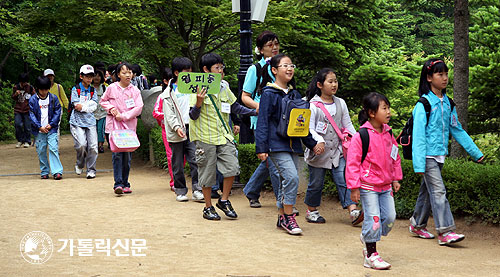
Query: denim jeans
[121, 168]
[254, 185]
[100, 123]
[432, 196]
[287, 164]
[51, 140]
[184, 150]
[22, 123]
[380, 214]
[85, 145]
[316, 184]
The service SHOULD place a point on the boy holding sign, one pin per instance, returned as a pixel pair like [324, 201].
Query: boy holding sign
[176, 121]
[210, 130]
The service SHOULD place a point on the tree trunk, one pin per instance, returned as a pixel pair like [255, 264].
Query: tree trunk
[461, 71]
[4, 61]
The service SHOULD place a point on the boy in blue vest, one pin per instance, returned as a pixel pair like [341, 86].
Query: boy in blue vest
[82, 122]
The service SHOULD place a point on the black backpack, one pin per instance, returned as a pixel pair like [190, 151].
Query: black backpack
[404, 139]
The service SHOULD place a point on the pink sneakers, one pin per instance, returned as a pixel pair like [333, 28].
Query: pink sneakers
[422, 232]
[449, 237]
[127, 190]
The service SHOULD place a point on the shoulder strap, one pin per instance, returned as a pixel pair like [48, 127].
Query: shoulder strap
[452, 104]
[427, 106]
[365, 142]
[220, 116]
[258, 71]
[330, 119]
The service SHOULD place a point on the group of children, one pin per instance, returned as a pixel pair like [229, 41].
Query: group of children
[196, 128]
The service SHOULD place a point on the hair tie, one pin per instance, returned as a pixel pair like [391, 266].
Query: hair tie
[257, 52]
[433, 63]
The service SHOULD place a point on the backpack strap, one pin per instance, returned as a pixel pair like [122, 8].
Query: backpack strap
[258, 71]
[452, 104]
[365, 142]
[427, 107]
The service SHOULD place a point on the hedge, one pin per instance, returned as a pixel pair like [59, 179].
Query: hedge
[472, 189]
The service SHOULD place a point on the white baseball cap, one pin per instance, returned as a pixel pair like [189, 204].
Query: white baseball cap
[48, 71]
[86, 69]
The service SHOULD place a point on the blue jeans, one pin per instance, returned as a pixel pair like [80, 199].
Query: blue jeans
[121, 168]
[287, 164]
[317, 181]
[380, 214]
[22, 123]
[100, 123]
[432, 196]
[254, 185]
[41, 142]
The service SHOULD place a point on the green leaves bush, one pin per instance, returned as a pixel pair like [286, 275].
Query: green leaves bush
[7, 112]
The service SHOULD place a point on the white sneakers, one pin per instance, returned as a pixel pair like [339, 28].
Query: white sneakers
[198, 196]
[182, 198]
[26, 145]
[376, 262]
[19, 144]
[78, 170]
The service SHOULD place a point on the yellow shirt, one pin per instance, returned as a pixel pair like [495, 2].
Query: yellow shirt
[58, 91]
[208, 127]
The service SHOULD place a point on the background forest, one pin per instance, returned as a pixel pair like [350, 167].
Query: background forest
[374, 45]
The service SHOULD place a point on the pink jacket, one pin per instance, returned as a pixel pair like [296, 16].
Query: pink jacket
[158, 111]
[378, 170]
[118, 97]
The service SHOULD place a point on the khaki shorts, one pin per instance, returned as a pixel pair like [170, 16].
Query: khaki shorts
[215, 157]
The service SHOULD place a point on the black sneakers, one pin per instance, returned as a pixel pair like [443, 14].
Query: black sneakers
[289, 224]
[254, 203]
[210, 213]
[227, 208]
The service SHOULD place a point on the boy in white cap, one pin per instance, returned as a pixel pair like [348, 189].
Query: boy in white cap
[83, 103]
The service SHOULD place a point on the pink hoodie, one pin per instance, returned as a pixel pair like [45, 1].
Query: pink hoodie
[116, 97]
[378, 170]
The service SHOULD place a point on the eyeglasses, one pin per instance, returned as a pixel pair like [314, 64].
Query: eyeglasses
[220, 67]
[292, 66]
[271, 44]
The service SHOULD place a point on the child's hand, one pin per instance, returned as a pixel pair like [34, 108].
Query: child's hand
[236, 129]
[200, 96]
[319, 148]
[480, 159]
[396, 186]
[43, 130]
[48, 127]
[78, 107]
[355, 195]
[113, 111]
[262, 156]
[180, 133]
[119, 116]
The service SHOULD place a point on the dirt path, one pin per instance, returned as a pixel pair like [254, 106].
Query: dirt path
[181, 243]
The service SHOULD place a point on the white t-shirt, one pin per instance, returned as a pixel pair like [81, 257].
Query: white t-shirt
[44, 108]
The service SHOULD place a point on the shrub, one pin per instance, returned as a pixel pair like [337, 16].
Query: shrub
[7, 112]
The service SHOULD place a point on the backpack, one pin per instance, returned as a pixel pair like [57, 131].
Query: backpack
[78, 90]
[404, 138]
[365, 142]
[258, 71]
[294, 116]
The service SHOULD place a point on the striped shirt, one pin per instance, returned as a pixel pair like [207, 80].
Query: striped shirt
[208, 127]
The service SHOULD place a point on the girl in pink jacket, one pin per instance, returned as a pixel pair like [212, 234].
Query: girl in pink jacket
[374, 178]
[123, 104]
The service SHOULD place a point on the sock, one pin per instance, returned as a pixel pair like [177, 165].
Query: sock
[371, 247]
[223, 200]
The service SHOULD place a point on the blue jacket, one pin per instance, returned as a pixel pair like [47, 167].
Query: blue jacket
[266, 138]
[36, 113]
[431, 139]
